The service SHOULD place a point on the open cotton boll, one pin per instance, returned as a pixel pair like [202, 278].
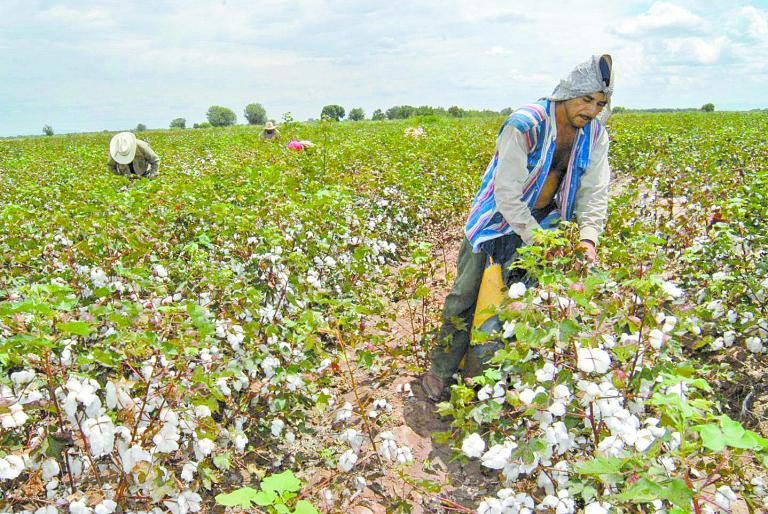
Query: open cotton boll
[473, 446]
[593, 360]
[347, 461]
[516, 290]
[498, 455]
[11, 466]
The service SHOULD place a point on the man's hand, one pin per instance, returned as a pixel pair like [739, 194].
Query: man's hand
[590, 252]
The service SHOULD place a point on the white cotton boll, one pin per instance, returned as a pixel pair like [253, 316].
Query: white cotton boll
[15, 417]
[105, 507]
[644, 440]
[609, 341]
[497, 456]
[593, 360]
[48, 509]
[729, 338]
[656, 338]
[277, 427]
[484, 393]
[490, 506]
[717, 345]
[353, 437]
[347, 461]
[22, 377]
[404, 455]
[206, 446]
[188, 471]
[360, 483]
[557, 409]
[51, 469]
[202, 411]
[388, 449]
[671, 290]
[725, 497]
[11, 467]
[473, 446]
[754, 344]
[715, 307]
[344, 413]
[100, 434]
[509, 329]
[160, 271]
[597, 508]
[240, 442]
[527, 396]
[516, 290]
[675, 441]
[133, 456]
[546, 373]
[79, 507]
[562, 393]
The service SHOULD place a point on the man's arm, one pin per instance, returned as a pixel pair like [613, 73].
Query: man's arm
[151, 157]
[591, 206]
[511, 175]
[112, 166]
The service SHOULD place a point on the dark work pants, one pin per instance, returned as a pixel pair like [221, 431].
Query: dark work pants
[460, 303]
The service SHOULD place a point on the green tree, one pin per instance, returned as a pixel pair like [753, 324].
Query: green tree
[204, 124]
[456, 112]
[378, 115]
[708, 107]
[48, 130]
[618, 109]
[255, 114]
[219, 116]
[332, 112]
[400, 112]
[506, 111]
[141, 127]
[179, 123]
[356, 114]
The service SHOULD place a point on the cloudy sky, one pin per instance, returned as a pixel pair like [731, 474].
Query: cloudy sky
[92, 65]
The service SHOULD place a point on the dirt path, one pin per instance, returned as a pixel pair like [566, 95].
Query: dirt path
[432, 482]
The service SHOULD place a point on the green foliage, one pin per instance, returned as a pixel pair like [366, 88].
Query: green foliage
[204, 124]
[48, 130]
[332, 112]
[255, 114]
[456, 112]
[179, 123]
[141, 127]
[708, 107]
[357, 114]
[219, 116]
[378, 115]
[277, 493]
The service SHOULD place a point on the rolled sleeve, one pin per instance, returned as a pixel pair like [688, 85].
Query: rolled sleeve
[511, 175]
[591, 206]
[151, 157]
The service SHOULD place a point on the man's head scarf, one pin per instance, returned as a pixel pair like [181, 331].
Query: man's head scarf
[595, 75]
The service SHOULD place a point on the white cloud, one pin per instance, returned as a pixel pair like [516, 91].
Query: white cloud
[748, 23]
[663, 17]
[68, 18]
[694, 50]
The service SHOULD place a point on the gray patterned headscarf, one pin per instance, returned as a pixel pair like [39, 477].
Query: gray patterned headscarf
[595, 75]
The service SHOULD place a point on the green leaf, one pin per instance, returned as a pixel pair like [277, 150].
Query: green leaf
[712, 437]
[677, 492]
[280, 508]
[281, 482]
[304, 507]
[599, 466]
[264, 498]
[80, 328]
[732, 430]
[222, 461]
[641, 491]
[238, 498]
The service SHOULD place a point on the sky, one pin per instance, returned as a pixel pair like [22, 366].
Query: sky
[94, 65]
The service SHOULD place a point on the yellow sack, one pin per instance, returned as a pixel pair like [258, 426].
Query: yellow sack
[489, 297]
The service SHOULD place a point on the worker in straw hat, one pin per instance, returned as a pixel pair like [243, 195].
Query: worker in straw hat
[270, 132]
[132, 157]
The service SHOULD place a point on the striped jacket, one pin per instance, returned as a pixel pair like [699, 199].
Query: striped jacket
[516, 174]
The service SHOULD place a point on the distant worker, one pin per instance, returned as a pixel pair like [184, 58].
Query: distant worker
[551, 163]
[270, 132]
[131, 157]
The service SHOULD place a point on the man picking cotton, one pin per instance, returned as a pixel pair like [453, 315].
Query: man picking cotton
[551, 164]
[131, 157]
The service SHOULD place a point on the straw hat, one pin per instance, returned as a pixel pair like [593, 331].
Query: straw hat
[122, 148]
[269, 126]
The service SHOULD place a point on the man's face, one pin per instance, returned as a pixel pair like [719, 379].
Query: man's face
[581, 110]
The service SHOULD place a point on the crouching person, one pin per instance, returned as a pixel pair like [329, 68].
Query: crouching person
[131, 157]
